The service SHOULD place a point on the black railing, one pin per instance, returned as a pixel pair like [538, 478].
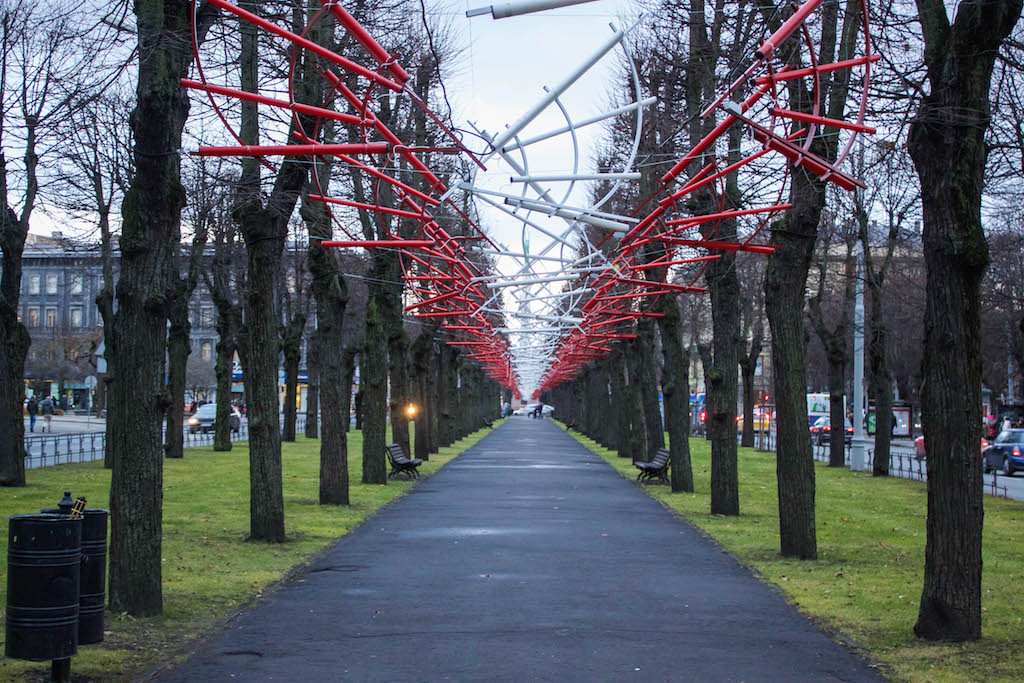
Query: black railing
[45, 450]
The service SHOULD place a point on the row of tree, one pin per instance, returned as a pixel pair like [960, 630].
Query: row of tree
[935, 91]
[240, 219]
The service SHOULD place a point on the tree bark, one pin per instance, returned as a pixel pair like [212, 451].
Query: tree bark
[16, 343]
[880, 383]
[373, 386]
[178, 350]
[224, 370]
[653, 426]
[633, 408]
[947, 144]
[785, 283]
[676, 391]
[748, 366]
[291, 345]
[723, 389]
[260, 362]
[150, 234]
[312, 430]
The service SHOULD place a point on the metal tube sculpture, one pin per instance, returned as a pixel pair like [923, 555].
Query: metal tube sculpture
[522, 330]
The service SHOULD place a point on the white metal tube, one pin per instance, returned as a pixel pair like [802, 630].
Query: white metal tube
[580, 124]
[531, 281]
[549, 318]
[597, 222]
[494, 252]
[573, 176]
[552, 94]
[517, 201]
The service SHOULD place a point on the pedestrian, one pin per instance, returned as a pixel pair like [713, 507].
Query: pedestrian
[33, 409]
[46, 408]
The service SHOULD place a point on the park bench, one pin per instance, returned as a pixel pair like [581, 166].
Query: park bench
[401, 463]
[657, 468]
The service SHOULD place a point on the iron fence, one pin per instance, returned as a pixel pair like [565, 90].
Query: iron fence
[46, 450]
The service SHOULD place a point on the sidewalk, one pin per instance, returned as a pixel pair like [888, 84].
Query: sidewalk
[527, 558]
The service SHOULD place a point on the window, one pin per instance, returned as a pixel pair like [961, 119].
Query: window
[76, 284]
[76, 316]
[96, 316]
[207, 348]
[33, 284]
[33, 316]
[51, 284]
[51, 316]
[206, 317]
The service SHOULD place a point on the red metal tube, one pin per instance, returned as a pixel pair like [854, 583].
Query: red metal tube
[364, 38]
[292, 150]
[370, 244]
[307, 44]
[281, 104]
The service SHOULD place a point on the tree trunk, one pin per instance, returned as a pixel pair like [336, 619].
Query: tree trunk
[785, 283]
[880, 385]
[421, 355]
[836, 410]
[150, 235]
[676, 391]
[617, 364]
[747, 375]
[947, 144]
[633, 408]
[224, 370]
[260, 362]
[653, 426]
[291, 344]
[446, 380]
[312, 389]
[722, 396]
[707, 365]
[16, 343]
[178, 350]
[373, 386]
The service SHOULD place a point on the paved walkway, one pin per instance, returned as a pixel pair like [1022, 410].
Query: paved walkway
[527, 558]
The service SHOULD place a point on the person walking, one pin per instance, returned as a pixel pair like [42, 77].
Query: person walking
[33, 410]
[46, 408]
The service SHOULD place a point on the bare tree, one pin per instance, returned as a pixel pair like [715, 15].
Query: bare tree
[179, 331]
[833, 326]
[150, 236]
[295, 310]
[947, 144]
[43, 73]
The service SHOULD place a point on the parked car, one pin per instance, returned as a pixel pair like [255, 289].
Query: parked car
[1006, 452]
[919, 447]
[821, 431]
[205, 417]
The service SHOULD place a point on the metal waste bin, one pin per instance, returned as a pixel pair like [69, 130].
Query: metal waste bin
[44, 559]
[92, 599]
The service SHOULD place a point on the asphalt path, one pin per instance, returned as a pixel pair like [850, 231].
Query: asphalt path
[526, 558]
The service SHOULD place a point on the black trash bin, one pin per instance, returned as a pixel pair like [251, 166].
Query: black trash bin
[44, 559]
[93, 596]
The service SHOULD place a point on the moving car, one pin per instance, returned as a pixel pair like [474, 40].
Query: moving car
[1006, 452]
[821, 431]
[205, 417]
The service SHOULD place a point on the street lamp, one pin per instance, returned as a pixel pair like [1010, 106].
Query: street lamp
[858, 453]
[410, 411]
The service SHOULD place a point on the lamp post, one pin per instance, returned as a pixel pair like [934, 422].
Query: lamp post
[858, 454]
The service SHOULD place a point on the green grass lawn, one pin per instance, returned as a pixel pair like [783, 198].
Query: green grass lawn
[866, 584]
[209, 568]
